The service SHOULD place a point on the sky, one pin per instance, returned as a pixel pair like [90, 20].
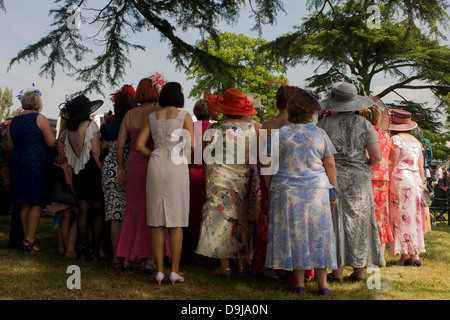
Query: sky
[26, 21]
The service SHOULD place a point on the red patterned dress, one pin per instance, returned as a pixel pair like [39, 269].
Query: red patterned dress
[380, 184]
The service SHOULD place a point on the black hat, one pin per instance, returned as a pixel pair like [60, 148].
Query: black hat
[80, 102]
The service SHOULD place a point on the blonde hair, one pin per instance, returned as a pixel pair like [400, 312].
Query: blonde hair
[32, 101]
[300, 106]
[202, 110]
[370, 114]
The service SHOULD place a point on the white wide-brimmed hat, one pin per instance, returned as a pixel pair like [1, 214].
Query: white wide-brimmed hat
[344, 98]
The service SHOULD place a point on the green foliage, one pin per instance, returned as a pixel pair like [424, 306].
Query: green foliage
[118, 21]
[251, 70]
[6, 102]
[343, 46]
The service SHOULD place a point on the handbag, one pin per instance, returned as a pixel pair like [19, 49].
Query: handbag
[62, 192]
[334, 194]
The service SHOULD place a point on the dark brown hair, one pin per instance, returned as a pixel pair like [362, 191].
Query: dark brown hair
[201, 110]
[300, 106]
[122, 105]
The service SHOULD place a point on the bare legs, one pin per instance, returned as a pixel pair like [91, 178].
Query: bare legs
[115, 228]
[30, 216]
[320, 273]
[70, 231]
[175, 242]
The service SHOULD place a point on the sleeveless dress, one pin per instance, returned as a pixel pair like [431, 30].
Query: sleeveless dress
[135, 241]
[168, 175]
[30, 162]
[87, 176]
[405, 195]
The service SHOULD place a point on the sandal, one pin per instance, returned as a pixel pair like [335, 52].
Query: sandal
[29, 247]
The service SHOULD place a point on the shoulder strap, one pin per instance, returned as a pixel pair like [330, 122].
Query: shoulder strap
[181, 113]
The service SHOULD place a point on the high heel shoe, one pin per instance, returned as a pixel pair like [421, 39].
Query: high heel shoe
[160, 277]
[417, 263]
[174, 277]
[30, 248]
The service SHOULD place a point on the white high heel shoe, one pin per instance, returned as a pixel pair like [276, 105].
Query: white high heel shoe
[174, 277]
[160, 277]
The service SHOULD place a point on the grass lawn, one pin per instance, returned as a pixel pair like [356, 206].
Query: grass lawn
[44, 277]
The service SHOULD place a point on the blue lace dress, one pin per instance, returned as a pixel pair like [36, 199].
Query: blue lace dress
[29, 162]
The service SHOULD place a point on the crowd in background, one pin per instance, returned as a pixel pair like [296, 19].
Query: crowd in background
[348, 182]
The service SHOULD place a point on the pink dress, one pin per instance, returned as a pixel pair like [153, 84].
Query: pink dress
[405, 196]
[197, 183]
[135, 236]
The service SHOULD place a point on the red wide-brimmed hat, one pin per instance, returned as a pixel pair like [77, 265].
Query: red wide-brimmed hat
[232, 102]
[401, 120]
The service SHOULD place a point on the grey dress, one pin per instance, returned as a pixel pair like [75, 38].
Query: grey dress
[357, 241]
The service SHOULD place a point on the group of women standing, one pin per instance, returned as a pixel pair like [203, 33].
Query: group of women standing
[342, 187]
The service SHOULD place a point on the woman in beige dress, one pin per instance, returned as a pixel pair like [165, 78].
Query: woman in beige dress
[168, 176]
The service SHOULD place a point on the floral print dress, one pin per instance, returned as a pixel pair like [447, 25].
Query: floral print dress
[223, 232]
[301, 233]
[405, 193]
[380, 184]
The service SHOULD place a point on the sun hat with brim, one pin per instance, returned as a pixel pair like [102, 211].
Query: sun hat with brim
[80, 102]
[401, 120]
[232, 102]
[344, 98]
[383, 113]
[256, 101]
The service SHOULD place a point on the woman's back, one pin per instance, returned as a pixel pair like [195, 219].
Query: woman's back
[350, 135]
[163, 126]
[409, 155]
[29, 161]
[25, 132]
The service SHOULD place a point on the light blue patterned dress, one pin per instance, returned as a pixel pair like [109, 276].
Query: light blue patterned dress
[301, 233]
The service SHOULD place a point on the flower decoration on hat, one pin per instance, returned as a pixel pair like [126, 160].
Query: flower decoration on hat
[125, 90]
[33, 89]
[158, 81]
